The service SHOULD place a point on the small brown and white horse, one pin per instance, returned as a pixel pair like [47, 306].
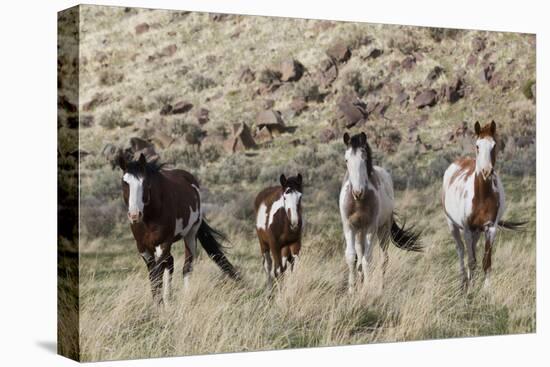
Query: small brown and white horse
[164, 206]
[473, 201]
[279, 225]
[367, 210]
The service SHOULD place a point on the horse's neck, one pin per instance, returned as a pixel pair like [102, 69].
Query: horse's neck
[153, 210]
[484, 189]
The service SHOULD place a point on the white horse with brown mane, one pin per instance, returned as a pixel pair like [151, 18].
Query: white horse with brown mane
[367, 210]
[473, 201]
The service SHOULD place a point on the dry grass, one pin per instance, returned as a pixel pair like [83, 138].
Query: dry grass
[421, 298]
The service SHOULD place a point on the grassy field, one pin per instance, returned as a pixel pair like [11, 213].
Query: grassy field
[132, 75]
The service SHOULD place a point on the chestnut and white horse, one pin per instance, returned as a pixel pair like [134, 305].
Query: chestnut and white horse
[164, 206]
[279, 225]
[473, 202]
[367, 210]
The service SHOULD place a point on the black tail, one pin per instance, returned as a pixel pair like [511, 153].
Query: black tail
[513, 226]
[210, 241]
[405, 238]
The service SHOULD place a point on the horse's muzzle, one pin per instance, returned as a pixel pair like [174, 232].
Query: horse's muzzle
[135, 217]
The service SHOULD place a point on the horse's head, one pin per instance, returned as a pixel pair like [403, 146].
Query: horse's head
[292, 197]
[136, 188]
[485, 149]
[359, 163]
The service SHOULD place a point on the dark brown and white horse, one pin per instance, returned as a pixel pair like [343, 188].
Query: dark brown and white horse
[367, 210]
[473, 202]
[279, 225]
[164, 206]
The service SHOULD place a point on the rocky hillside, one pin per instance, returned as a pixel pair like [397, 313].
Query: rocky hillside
[239, 99]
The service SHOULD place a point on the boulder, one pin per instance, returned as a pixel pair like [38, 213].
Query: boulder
[240, 140]
[487, 72]
[454, 91]
[339, 52]
[425, 98]
[402, 99]
[291, 70]
[140, 146]
[272, 120]
[327, 73]
[434, 74]
[373, 53]
[298, 105]
[263, 135]
[181, 107]
[202, 116]
[142, 28]
[350, 111]
[268, 104]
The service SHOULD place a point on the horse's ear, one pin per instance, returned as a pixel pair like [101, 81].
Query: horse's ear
[346, 139]
[282, 179]
[363, 139]
[121, 161]
[299, 177]
[477, 128]
[493, 127]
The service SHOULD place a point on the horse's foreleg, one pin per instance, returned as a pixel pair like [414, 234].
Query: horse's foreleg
[367, 255]
[151, 265]
[360, 241]
[161, 274]
[351, 257]
[471, 238]
[268, 264]
[190, 242]
[277, 261]
[455, 231]
[490, 234]
[294, 254]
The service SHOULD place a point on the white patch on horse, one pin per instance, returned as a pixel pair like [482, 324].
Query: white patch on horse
[179, 229]
[158, 252]
[458, 194]
[280, 203]
[261, 218]
[166, 286]
[483, 159]
[135, 199]
[357, 170]
[291, 202]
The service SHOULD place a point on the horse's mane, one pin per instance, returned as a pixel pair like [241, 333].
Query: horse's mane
[355, 143]
[151, 168]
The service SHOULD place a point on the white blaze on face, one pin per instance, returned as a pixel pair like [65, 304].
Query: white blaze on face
[291, 203]
[357, 170]
[135, 199]
[484, 165]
